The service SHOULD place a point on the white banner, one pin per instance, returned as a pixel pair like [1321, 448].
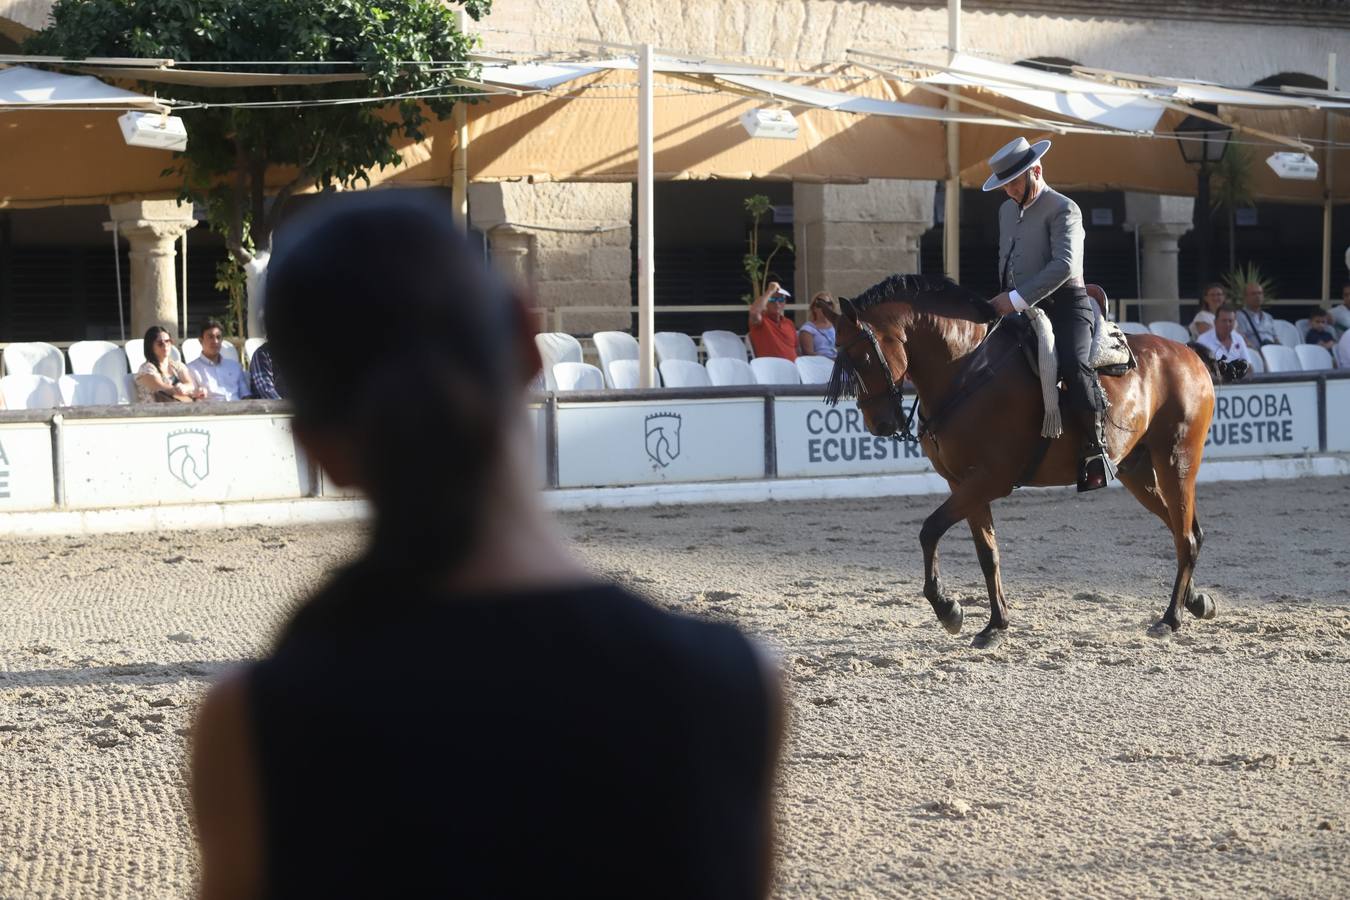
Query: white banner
[163, 461]
[814, 438]
[1338, 415]
[1263, 420]
[650, 442]
[26, 467]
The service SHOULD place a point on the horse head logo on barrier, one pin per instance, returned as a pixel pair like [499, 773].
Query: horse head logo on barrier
[663, 438]
[189, 455]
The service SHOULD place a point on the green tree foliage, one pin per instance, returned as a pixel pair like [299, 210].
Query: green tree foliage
[1236, 282]
[232, 150]
[758, 270]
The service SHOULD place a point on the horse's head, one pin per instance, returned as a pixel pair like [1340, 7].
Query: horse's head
[870, 365]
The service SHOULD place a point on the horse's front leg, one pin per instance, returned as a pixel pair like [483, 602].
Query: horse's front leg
[981, 521]
[949, 612]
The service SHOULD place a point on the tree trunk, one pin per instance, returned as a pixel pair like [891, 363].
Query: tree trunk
[1232, 238]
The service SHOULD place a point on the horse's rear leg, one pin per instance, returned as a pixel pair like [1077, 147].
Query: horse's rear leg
[981, 521]
[1137, 474]
[1174, 475]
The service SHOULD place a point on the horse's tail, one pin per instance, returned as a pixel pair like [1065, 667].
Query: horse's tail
[1223, 371]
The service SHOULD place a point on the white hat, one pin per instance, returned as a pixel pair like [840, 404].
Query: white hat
[1012, 160]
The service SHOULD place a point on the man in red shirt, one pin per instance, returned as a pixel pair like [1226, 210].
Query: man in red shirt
[771, 332]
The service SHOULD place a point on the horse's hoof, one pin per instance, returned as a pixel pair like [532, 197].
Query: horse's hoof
[1160, 630]
[1203, 607]
[989, 638]
[952, 617]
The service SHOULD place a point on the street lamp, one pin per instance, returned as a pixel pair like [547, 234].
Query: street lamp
[1203, 143]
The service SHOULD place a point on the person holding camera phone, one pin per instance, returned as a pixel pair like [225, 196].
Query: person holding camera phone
[771, 332]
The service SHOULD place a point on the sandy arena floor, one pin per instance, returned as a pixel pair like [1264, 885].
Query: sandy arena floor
[1080, 758]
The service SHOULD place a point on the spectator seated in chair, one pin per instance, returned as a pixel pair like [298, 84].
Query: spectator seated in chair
[267, 384]
[221, 376]
[1320, 331]
[1256, 326]
[816, 336]
[1340, 315]
[1223, 340]
[161, 378]
[771, 332]
[1211, 301]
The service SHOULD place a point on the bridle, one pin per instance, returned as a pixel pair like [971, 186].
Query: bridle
[893, 391]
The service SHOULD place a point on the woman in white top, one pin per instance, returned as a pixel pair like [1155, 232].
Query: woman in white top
[1214, 297]
[816, 336]
[161, 378]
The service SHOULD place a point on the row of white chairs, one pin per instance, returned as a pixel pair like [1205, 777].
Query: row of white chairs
[616, 346]
[40, 392]
[101, 357]
[1291, 354]
[678, 373]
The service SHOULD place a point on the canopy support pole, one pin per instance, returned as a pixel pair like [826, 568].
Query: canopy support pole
[951, 215]
[646, 265]
[459, 171]
[184, 254]
[1328, 174]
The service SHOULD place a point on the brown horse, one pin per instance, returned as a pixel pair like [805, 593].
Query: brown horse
[980, 412]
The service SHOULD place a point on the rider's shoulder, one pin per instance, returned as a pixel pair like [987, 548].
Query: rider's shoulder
[1058, 200]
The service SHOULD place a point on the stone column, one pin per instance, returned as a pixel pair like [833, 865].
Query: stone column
[152, 228]
[849, 237]
[571, 244]
[1161, 221]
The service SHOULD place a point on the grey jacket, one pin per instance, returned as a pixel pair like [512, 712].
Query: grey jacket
[1040, 248]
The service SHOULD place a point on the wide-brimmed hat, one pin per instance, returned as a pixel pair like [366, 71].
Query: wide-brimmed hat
[1012, 160]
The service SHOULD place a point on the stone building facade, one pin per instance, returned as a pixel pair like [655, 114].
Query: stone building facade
[572, 242]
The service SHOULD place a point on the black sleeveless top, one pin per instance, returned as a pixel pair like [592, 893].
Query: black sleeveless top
[570, 742]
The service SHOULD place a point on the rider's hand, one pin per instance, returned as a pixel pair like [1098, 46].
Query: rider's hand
[1003, 304]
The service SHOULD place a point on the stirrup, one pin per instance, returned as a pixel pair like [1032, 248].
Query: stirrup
[1094, 470]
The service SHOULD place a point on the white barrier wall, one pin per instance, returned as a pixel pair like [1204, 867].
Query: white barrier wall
[1338, 416]
[26, 480]
[172, 460]
[813, 439]
[652, 442]
[1263, 420]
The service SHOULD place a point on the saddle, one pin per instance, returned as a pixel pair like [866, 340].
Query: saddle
[1111, 355]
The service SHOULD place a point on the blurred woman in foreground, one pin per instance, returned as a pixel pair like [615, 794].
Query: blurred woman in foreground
[464, 711]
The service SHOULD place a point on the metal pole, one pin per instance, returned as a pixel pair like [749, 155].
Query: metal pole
[117, 267]
[646, 267]
[951, 215]
[459, 172]
[185, 321]
[1328, 173]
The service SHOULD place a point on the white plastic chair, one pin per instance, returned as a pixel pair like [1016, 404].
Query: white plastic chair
[624, 374]
[192, 348]
[774, 370]
[814, 369]
[1280, 358]
[683, 373]
[1314, 358]
[556, 347]
[612, 345]
[1302, 326]
[1133, 327]
[724, 345]
[126, 388]
[251, 346]
[577, 376]
[34, 358]
[1257, 363]
[30, 392]
[87, 390]
[1170, 330]
[1343, 351]
[727, 370]
[1287, 333]
[135, 350]
[97, 358]
[674, 345]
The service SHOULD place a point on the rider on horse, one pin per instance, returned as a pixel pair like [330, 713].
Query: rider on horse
[1040, 261]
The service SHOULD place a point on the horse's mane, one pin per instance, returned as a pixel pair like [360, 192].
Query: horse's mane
[954, 312]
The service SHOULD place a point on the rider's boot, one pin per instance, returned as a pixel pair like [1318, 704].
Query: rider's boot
[1094, 465]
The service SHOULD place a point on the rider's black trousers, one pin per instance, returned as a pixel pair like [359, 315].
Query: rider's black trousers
[1072, 317]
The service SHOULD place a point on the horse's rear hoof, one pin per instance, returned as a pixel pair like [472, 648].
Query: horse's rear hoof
[990, 638]
[1203, 607]
[952, 617]
[1160, 630]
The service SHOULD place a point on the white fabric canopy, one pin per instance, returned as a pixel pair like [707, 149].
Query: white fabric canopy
[1095, 102]
[25, 88]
